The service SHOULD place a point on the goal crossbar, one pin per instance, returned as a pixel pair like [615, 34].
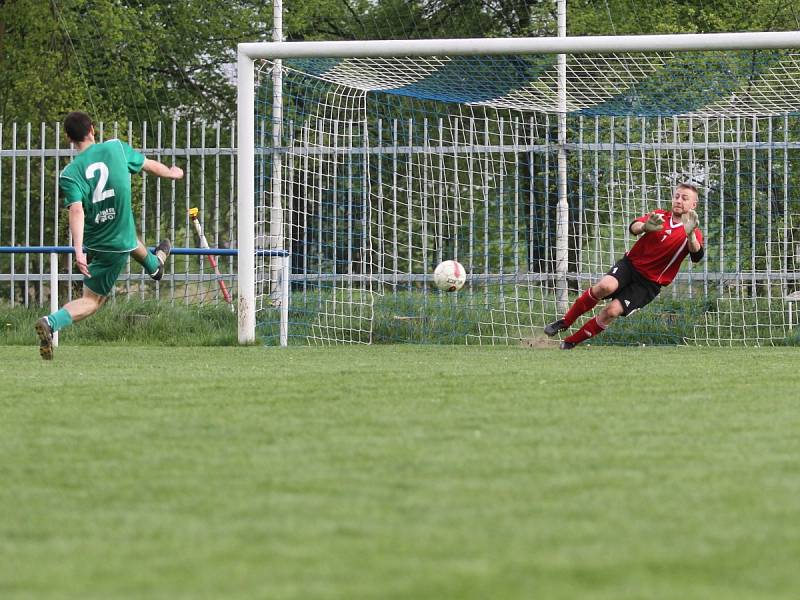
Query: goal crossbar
[541, 45]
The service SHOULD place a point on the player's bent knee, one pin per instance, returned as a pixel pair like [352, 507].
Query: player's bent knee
[605, 287]
[613, 310]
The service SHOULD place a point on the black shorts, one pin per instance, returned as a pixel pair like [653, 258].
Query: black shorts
[634, 291]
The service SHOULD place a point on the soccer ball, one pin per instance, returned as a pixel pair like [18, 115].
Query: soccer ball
[449, 276]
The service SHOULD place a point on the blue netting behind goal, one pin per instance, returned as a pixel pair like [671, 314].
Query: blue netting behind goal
[619, 85]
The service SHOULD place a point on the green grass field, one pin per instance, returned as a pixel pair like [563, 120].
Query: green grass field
[399, 472]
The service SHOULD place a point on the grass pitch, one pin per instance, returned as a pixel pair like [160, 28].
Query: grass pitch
[399, 472]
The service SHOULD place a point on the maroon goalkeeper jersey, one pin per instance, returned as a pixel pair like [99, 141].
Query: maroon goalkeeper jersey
[658, 255]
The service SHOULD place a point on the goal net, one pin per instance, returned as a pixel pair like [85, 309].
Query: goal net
[369, 171]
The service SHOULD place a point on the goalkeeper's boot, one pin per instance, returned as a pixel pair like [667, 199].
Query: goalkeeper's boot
[554, 327]
[567, 346]
[45, 333]
[162, 252]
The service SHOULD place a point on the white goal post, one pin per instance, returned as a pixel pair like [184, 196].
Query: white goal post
[248, 53]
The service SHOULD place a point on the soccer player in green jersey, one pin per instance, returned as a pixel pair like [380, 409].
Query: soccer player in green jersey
[96, 187]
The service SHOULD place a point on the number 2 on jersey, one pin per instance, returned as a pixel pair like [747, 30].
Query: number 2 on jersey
[99, 193]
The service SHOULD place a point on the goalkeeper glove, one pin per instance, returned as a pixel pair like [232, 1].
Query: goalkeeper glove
[654, 222]
[690, 221]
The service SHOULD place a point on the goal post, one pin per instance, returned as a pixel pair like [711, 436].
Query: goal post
[374, 198]
[245, 204]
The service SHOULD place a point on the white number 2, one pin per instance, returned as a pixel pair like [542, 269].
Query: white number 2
[99, 194]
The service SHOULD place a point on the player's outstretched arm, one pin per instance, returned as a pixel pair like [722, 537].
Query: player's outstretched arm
[161, 170]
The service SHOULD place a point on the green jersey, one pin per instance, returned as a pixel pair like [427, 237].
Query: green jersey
[100, 178]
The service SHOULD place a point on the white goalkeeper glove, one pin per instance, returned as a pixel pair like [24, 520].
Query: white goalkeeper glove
[690, 221]
[655, 222]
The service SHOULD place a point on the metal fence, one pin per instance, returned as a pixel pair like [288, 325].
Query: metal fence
[427, 190]
[31, 157]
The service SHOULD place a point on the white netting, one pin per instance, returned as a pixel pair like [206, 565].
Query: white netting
[700, 84]
[391, 165]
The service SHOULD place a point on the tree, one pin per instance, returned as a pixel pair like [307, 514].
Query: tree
[35, 78]
[637, 17]
[156, 59]
[122, 60]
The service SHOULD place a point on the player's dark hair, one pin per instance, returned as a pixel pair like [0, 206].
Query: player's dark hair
[77, 126]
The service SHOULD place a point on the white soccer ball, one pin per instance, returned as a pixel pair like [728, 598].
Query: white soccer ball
[449, 276]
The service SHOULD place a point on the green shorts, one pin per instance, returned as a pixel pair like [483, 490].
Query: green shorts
[104, 268]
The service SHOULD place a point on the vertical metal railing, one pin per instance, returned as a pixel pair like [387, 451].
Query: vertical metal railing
[33, 155]
[430, 187]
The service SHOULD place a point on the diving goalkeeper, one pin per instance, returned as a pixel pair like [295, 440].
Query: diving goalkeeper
[667, 237]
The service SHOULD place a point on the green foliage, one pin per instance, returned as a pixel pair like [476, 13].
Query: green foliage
[154, 59]
[130, 322]
[637, 17]
[37, 75]
[402, 19]
[138, 60]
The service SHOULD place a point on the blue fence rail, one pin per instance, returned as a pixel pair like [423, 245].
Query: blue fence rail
[71, 250]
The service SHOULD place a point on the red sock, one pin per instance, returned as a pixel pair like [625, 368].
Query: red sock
[583, 304]
[590, 328]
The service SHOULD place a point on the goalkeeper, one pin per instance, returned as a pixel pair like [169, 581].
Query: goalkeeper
[637, 278]
[96, 187]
